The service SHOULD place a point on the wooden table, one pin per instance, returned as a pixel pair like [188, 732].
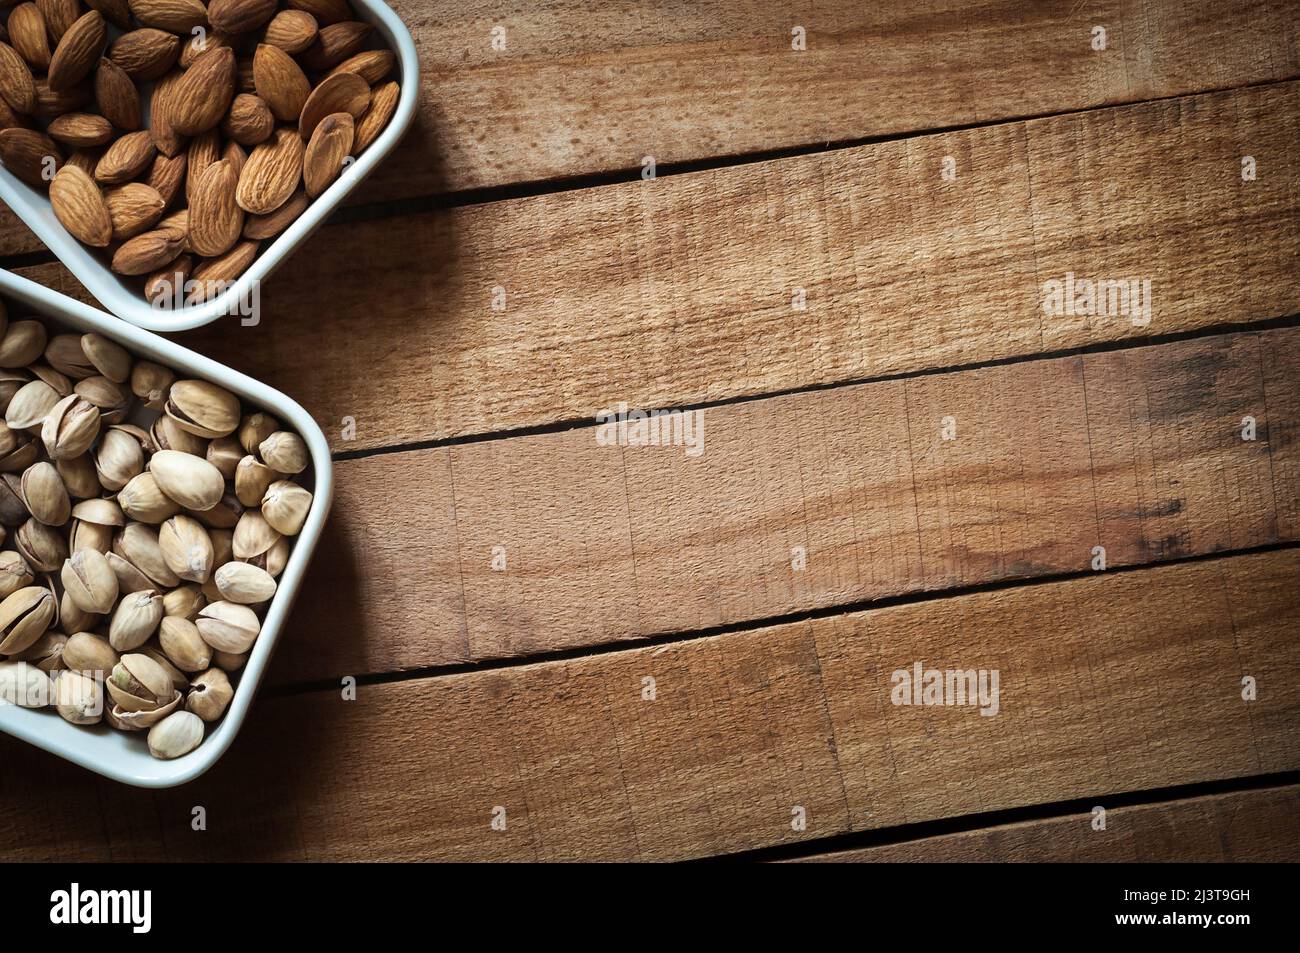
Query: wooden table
[565, 649]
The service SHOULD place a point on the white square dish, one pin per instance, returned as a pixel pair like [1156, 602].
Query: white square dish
[119, 755]
[122, 296]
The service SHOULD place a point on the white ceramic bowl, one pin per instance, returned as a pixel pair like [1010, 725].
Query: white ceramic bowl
[125, 756]
[123, 297]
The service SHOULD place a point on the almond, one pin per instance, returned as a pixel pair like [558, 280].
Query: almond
[174, 16]
[51, 103]
[165, 137]
[133, 208]
[203, 151]
[167, 282]
[292, 31]
[30, 155]
[17, 87]
[168, 175]
[199, 45]
[329, 147]
[78, 52]
[240, 16]
[340, 93]
[215, 219]
[10, 119]
[234, 154]
[86, 160]
[148, 252]
[125, 159]
[370, 65]
[27, 35]
[81, 130]
[271, 174]
[249, 121]
[116, 96]
[279, 80]
[212, 274]
[116, 12]
[383, 103]
[324, 11]
[203, 94]
[273, 223]
[79, 206]
[145, 55]
[334, 44]
[60, 15]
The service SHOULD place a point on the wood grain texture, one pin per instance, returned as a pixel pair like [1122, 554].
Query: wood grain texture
[1260, 826]
[679, 291]
[593, 88]
[1138, 450]
[1110, 683]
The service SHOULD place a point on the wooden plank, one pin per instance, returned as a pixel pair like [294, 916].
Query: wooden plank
[580, 89]
[554, 542]
[1260, 826]
[680, 291]
[1109, 683]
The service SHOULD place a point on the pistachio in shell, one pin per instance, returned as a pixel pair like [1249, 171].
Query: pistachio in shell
[151, 382]
[45, 494]
[89, 581]
[286, 506]
[191, 481]
[79, 698]
[14, 573]
[118, 458]
[24, 685]
[110, 359]
[285, 452]
[228, 626]
[186, 548]
[203, 408]
[42, 546]
[138, 683]
[135, 620]
[89, 654]
[24, 617]
[182, 644]
[210, 694]
[30, 405]
[142, 499]
[176, 735]
[70, 428]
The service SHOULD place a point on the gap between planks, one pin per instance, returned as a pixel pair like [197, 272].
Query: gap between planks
[1109, 684]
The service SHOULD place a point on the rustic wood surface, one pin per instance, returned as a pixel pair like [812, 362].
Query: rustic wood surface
[1110, 683]
[466, 434]
[1242, 826]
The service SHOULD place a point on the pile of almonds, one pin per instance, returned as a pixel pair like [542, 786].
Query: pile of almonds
[141, 560]
[255, 106]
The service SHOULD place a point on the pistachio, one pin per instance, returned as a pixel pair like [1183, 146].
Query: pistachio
[142, 499]
[176, 735]
[90, 536]
[274, 559]
[30, 405]
[119, 458]
[46, 653]
[12, 508]
[244, 583]
[65, 354]
[252, 479]
[225, 515]
[22, 343]
[138, 683]
[285, 451]
[285, 507]
[167, 434]
[191, 481]
[224, 453]
[109, 359]
[79, 476]
[89, 654]
[79, 698]
[126, 719]
[229, 662]
[45, 494]
[14, 573]
[21, 457]
[89, 581]
[62, 386]
[186, 548]
[228, 626]
[253, 535]
[210, 694]
[42, 546]
[24, 685]
[70, 427]
[129, 578]
[24, 617]
[75, 618]
[184, 601]
[103, 393]
[135, 620]
[151, 382]
[180, 681]
[254, 429]
[182, 644]
[202, 408]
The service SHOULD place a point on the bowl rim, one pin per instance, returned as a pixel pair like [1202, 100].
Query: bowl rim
[126, 303]
[27, 724]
